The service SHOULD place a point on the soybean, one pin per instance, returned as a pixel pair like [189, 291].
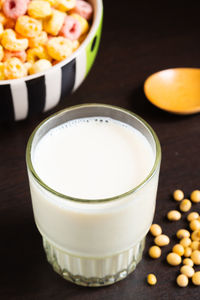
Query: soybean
[154, 252]
[187, 252]
[151, 279]
[155, 230]
[195, 257]
[188, 262]
[161, 240]
[173, 259]
[195, 196]
[181, 233]
[194, 225]
[185, 242]
[196, 278]
[195, 236]
[193, 216]
[187, 271]
[182, 280]
[179, 249]
[178, 195]
[185, 205]
[174, 215]
[194, 245]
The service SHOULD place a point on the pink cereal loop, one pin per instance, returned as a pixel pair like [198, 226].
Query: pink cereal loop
[83, 8]
[15, 8]
[19, 54]
[71, 28]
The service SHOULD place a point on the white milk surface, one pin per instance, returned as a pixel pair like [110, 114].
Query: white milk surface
[93, 158]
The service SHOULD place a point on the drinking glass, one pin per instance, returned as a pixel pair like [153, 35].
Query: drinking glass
[94, 242]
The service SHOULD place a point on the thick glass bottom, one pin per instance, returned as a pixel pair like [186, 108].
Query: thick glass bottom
[94, 272]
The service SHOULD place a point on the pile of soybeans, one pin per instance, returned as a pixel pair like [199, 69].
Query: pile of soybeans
[186, 252]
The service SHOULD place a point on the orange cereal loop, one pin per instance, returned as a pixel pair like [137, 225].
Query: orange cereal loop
[76, 44]
[51, 2]
[14, 68]
[54, 23]
[10, 23]
[40, 52]
[11, 42]
[82, 38]
[3, 18]
[39, 9]
[65, 5]
[1, 53]
[28, 26]
[27, 65]
[19, 54]
[55, 62]
[40, 39]
[40, 65]
[2, 76]
[59, 48]
[1, 29]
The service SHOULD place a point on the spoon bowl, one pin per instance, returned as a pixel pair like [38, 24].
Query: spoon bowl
[175, 90]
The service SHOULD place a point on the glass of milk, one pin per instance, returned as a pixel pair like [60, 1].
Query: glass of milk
[93, 172]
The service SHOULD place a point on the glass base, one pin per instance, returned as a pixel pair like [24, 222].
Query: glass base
[94, 272]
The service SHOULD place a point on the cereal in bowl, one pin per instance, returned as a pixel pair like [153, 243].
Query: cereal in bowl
[34, 35]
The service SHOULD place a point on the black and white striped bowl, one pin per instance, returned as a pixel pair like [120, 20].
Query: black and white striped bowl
[20, 98]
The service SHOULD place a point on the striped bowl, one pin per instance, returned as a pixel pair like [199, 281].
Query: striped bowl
[21, 98]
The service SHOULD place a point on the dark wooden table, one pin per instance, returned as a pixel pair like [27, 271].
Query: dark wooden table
[139, 38]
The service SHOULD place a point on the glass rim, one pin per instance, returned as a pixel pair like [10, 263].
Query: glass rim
[82, 200]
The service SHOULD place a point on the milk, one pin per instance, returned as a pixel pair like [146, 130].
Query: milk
[93, 158]
[93, 183]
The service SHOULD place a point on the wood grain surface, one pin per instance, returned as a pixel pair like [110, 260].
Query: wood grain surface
[139, 38]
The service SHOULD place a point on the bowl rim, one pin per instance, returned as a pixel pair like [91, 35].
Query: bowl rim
[98, 11]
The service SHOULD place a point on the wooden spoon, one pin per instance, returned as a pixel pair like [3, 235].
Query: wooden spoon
[175, 90]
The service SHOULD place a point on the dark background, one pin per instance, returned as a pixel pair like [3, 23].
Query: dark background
[139, 38]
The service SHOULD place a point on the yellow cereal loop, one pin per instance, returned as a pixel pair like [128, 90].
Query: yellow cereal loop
[27, 65]
[40, 39]
[14, 68]
[39, 52]
[39, 9]
[40, 66]
[59, 48]
[2, 76]
[65, 5]
[82, 37]
[75, 44]
[28, 26]
[1, 53]
[1, 29]
[84, 23]
[51, 2]
[11, 43]
[3, 18]
[54, 23]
